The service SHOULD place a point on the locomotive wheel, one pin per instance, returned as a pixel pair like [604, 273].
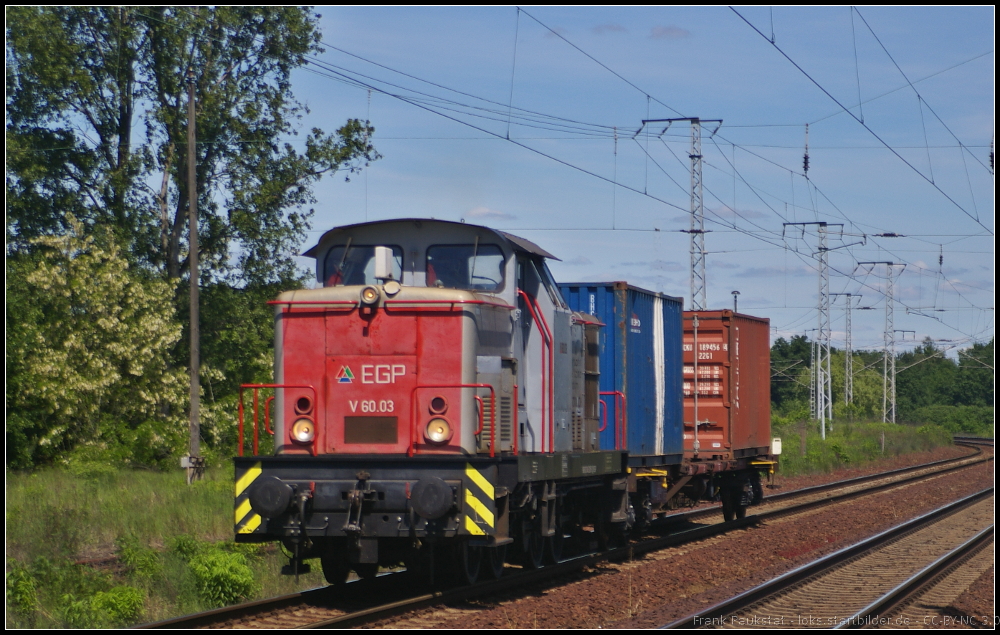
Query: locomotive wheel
[495, 557]
[335, 570]
[468, 561]
[534, 549]
[554, 547]
[740, 511]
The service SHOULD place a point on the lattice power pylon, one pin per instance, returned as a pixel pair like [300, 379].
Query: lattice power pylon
[823, 411]
[889, 343]
[848, 351]
[698, 299]
[698, 276]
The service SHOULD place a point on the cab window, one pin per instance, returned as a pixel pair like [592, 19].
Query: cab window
[355, 265]
[473, 267]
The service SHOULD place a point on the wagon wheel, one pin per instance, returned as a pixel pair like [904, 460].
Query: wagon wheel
[366, 571]
[728, 511]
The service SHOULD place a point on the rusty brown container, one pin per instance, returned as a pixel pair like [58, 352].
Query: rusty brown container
[733, 385]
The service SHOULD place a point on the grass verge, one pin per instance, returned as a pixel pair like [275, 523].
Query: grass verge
[99, 547]
[851, 444]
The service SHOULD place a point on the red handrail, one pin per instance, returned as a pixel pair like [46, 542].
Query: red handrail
[621, 434]
[482, 421]
[256, 387]
[543, 330]
[517, 424]
[267, 412]
[288, 306]
[493, 414]
[389, 303]
[604, 416]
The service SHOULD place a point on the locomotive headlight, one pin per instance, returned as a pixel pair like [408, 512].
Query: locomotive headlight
[438, 430]
[369, 295]
[303, 430]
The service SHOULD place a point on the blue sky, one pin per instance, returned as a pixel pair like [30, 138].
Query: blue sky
[538, 138]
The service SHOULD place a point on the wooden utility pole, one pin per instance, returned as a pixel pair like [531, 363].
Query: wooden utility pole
[194, 463]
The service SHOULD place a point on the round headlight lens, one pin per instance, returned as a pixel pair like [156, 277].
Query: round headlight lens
[369, 295]
[438, 430]
[303, 430]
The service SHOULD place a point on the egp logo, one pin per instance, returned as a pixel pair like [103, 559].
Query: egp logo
[381, 373]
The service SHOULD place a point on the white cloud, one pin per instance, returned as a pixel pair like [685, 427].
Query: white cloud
[485, 213]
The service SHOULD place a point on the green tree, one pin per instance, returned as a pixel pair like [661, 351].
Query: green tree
[88, 347]
[866, 400]
[976, 376]
[97, 125]
[790, 372]
[924, 377]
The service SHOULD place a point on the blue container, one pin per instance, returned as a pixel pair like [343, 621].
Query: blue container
[641, 358]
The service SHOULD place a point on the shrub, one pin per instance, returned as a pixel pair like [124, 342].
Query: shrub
[142, 562]
[222, 578]
[186, 546]
[79, 613]
[22, 600]
[121, 606]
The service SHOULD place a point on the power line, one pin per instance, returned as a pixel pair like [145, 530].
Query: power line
[863, 124]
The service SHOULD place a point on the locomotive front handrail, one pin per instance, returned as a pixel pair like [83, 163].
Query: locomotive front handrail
[435, 303]
[267, 403]
[339, 304]
[410, 451]
[267, 412]
[604, 416]
[621, 433]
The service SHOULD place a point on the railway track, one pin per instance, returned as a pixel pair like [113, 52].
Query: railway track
[351, 605]
[856, 585]
[862, 484]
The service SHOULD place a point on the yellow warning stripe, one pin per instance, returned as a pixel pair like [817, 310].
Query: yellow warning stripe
[473, 528]
[479, 480]
[248, 477]
[241, 511]
[252, 524]
[481, 510]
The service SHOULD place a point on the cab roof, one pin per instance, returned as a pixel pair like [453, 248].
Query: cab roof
[516, 242]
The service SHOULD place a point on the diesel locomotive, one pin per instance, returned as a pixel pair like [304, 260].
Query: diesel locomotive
[440, 401]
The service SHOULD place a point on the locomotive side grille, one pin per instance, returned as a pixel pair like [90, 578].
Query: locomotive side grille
[577, 430]
[505, 420]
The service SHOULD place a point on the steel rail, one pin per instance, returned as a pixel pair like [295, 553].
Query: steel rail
[918, 582]
[717, 613]
[851, 482]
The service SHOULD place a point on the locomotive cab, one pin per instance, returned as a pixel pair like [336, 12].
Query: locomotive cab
[433, 390]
